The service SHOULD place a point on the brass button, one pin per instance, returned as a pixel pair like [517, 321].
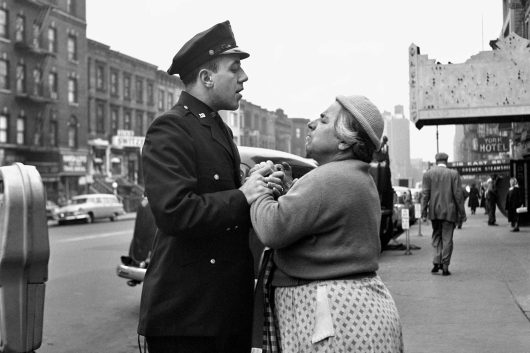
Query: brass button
[212, 261]
[216, 176]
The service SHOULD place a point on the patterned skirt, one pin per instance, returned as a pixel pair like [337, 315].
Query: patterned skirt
[355, 315]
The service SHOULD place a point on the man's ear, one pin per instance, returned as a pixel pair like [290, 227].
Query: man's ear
[205, 76]
[343, 146]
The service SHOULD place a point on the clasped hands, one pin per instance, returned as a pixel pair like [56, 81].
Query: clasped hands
[267, 178]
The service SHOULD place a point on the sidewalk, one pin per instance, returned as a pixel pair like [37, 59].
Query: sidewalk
[484, 306]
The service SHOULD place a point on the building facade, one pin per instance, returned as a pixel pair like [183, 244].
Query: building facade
[397, 129]
[43, 102]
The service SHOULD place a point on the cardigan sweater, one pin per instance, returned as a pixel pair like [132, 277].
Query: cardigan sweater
[326, 226]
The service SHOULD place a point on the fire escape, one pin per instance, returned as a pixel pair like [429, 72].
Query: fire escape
[30, 49]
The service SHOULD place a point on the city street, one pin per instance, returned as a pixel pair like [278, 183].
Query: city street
[88, 309]
[482, 307]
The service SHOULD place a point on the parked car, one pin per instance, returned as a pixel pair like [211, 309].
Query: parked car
[90, 207]
[51, 210]
[133, 266]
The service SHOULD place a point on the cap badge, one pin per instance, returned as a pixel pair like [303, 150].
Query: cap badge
[201, 115]
[211, 52]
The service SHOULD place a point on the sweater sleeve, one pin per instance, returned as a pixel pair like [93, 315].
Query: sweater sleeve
[281, 223]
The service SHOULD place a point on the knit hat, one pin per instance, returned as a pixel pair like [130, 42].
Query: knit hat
[366, 114]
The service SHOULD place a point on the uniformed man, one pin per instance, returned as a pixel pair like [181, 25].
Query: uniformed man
[197, 293]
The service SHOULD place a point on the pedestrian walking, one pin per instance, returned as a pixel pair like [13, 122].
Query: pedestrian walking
[514, 200]
[327, 296]
[443, 205]
[198, 288]
[473, 201]
[491, 200]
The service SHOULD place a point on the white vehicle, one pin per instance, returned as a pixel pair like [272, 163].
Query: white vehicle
[90, 207]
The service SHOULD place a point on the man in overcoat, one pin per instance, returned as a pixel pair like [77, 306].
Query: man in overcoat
[444, 205]
[197, 293]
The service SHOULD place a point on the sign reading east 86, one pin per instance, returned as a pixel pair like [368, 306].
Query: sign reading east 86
[126, 138]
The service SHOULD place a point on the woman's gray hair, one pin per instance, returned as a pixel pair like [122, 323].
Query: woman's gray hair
[348, 130]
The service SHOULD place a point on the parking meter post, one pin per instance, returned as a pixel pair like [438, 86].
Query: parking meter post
[407, 251]
[417, 211]
[24, 255]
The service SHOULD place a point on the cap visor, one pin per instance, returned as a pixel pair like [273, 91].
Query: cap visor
[242, 54]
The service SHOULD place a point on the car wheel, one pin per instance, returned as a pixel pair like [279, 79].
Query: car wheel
[90, 218]
[112, 218]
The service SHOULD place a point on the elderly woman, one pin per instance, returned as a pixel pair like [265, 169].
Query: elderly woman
[325, 235]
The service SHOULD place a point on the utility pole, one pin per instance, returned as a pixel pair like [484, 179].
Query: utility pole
[437, 149]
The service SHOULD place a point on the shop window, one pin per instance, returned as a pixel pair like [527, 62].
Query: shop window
[4, 73]
[21, 130]
[4, 118]
[20, 28]
[4, 23]
[21, 78]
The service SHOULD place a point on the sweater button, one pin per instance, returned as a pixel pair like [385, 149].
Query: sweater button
[216, 176]
[212, 261]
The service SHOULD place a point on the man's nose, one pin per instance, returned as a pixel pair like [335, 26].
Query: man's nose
[243, 77]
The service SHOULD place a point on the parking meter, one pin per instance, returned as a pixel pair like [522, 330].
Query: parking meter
[24, 255]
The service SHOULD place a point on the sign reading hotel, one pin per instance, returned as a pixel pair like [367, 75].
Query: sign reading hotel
[490, 87]
[491, 144]
[126, 138]
[481, 167]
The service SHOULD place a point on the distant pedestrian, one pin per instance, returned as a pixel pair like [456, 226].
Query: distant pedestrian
[491, 201]
[482, 195]
[443, 204]
[473, 198]
[514, 200]
[465, 194]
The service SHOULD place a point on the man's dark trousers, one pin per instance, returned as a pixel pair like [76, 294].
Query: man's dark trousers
[442, 241]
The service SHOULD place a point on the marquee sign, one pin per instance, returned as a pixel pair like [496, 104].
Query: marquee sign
[495, 166]
[491, 144]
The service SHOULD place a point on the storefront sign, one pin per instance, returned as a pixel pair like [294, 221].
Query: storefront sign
[481, 167]
[74, 164]
[492, 144]
[128, 140]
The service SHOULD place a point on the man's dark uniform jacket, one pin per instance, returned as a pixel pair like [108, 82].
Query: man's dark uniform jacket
[200, 278]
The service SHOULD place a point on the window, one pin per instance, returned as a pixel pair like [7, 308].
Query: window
[52, 83]
[72, 90]
[72, 47]
[126, 87]
[169, 100]
[20, 28]
[100, 77]
[100, 117]
[150, 94]
[114, 85]
[127, 120]
[114, 120]
[37, 82]
[36, 35]
[139, 90]
[150, 118]
[53, 128]
[37, 136]
[4, 73]
[139, 123]
[21, 78]
[297, 133]
[70, 6]
[21, 126]
[161, 99]
[72, 132]
[4, 118]
[4, 24]
[52, 39]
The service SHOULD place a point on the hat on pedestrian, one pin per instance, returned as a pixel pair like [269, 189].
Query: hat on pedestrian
[441, 157]
[204, 46]
[367, 114]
